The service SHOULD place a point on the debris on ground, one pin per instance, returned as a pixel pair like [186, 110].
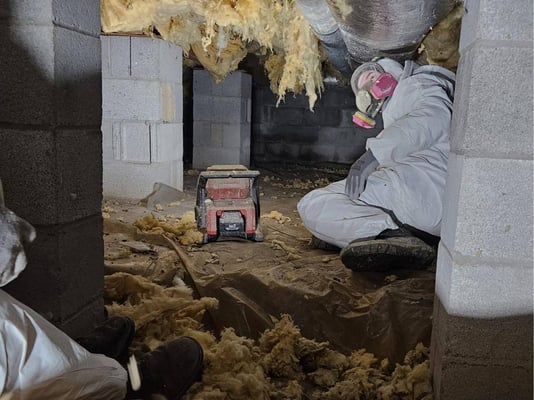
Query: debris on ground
[276, 319]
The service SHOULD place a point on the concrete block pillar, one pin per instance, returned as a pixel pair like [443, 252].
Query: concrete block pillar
[221, 119]
[142, 115]
[482, 335]
[51, 158]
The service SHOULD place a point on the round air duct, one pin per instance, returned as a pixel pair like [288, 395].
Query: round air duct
[384, 27]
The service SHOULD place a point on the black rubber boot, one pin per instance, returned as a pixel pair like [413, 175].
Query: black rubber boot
[316, 243]
[390, 250]
[168, 371]
[112, 338]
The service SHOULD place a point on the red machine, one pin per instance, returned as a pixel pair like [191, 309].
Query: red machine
[227, 205]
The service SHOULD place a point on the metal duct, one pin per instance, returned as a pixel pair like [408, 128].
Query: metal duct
[389, 28]
[326, 28]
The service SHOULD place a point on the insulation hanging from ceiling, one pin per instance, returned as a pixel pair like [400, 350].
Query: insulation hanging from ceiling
[219, 33]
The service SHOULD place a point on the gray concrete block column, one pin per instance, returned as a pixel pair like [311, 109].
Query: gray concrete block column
[142, 115]
[51, 158]
[221, 119]
[482, 335]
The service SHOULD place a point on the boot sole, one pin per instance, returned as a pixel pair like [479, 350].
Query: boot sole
[382, 255]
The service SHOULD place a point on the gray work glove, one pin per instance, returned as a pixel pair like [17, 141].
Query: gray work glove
[358, 174]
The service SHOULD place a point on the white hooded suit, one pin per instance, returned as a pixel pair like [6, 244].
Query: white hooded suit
[412, 152]
[37, 360]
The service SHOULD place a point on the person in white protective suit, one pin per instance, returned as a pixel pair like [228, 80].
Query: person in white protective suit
[387, 213]
[40, 362]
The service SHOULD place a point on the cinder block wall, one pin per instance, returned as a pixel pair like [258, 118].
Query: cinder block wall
[482, 336]
[293, 133]
[51, 158]
[142, 115]
[221, 119]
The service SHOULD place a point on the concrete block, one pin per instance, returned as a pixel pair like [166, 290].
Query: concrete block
[78, 174]
[338, 97]
[202, 133]
[235, 135]
[281, 150]
[171, 102]
[445, 334]
[136, 181]
[78, 15]
[461, 381]
[166, 142]
[288, 116]
[322, 117]
[315, 152]
[203, 84]
[228, 110]
[105, 43]
[248, 111]
[129, 99]
[107, 140]
[483, 288]
[145, 57]
[27, 74]
[118, 56]
[293, 100]
[495, 20]
[493, 356]
[25, 12]
[494, 119]
[244, 152]
[219, 109]
[65, 269]
[217, 135]
[203, 157]
[86, 319]
[258, 152]
[134, 142]
[27, 176]
[236, 84]
[78, 78]
[170, 63]
[487, 205]
[54, 176]
[202, 107]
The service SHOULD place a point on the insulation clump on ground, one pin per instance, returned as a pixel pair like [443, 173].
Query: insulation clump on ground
[185, 230]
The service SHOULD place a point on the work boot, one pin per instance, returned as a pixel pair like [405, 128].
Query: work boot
[391, 249]
[316, 243]
[168, 371]
[112, 338]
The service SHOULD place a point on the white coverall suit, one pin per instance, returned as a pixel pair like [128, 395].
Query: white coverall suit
[412, 152]
[37, 360]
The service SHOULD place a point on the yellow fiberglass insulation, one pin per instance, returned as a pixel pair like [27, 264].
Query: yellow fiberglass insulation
[282, 364]
[218, 32]
[160, 314]
[185, 229]
[285, 365]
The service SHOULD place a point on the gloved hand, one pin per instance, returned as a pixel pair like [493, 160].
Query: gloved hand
[358, 174]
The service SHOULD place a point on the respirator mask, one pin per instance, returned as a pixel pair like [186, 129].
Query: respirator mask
[371, 86]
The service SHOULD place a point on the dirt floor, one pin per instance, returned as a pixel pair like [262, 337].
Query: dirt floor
[277, 319]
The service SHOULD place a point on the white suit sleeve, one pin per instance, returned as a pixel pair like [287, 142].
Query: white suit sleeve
[426, 121]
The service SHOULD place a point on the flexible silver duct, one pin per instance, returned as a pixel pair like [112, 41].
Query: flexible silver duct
[326, 28]
[392, 28]
[365, 29]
